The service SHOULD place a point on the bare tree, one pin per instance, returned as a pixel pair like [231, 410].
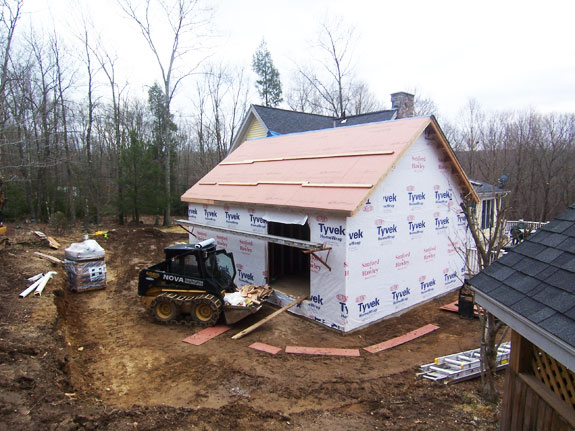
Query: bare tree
[9, 16]
[108, 65]
[361, 99]
[332, 82]
[184, 18]
[488, 244]
[62, 86]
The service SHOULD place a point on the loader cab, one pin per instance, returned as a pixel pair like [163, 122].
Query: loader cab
[203, 261]
[182, 259]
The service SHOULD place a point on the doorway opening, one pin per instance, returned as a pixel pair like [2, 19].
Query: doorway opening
[288, 266]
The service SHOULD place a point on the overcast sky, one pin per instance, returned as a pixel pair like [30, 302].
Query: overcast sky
[508, 55]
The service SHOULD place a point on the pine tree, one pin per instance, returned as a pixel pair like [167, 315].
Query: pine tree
[269, 85]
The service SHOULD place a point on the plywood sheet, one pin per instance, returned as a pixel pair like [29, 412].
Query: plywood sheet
[331, 169]
[205, 335]
[326, 351]
[268, 348]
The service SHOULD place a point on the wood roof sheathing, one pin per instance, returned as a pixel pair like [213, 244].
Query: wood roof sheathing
[331, 170]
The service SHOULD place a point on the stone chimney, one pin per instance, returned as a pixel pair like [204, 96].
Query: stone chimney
[403, 102]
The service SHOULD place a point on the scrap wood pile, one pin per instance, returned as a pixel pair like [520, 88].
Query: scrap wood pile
[248, 295]
[51, 242]
[256, 293]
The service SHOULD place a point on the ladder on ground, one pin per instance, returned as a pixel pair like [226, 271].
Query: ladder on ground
[461, 366]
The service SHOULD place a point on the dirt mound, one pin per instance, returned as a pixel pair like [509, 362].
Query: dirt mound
[97, 360]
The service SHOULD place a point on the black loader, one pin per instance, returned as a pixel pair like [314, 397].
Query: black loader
[189, 286]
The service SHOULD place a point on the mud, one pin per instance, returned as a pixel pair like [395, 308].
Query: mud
[97, 360]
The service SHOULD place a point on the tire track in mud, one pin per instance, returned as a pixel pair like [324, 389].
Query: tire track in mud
[109, 331]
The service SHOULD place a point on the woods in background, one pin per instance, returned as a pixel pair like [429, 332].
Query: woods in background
[75, 145]
[536, 151]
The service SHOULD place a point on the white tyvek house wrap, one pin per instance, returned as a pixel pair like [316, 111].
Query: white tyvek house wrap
[403, 247]
[327, 288]
[250, 255]
[405, 244]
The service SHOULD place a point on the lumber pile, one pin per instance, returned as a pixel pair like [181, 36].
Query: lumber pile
[255, 293]
[52, 243]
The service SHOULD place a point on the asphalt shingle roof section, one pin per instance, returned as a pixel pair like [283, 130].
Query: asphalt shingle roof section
[283, 121]
[536, 279]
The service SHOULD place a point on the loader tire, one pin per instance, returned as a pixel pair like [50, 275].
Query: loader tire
[165, 309]
[206, 310]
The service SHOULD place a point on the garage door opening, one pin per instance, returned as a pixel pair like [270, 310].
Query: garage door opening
[288, 266]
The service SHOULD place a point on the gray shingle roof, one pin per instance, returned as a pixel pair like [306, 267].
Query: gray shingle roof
[283, 121]
[482, 188]
[536, 279]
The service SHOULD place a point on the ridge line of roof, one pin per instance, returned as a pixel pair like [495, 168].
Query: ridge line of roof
[337, 128]
[294, 112]
[329, 117]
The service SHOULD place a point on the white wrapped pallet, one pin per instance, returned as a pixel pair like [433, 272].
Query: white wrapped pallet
[85, 266]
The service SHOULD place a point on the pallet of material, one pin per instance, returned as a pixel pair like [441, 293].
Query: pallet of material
[85, 275]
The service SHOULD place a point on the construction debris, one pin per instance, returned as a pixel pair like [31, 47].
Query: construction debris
[39, 284]
[265, 319]
[255, 293]
[461, 366]
[52, 259]
[454, 308]
[52, 243]
[248, 295]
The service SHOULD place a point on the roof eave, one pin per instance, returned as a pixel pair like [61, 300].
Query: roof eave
[557, 348]
[307, 209]
[471, 194]
[243, 130]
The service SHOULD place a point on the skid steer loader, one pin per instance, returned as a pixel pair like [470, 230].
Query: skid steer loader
[189, 286]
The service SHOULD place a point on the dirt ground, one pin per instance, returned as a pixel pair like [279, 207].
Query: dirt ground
[97, 360]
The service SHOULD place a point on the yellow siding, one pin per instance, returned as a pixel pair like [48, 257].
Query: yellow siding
[256, 130]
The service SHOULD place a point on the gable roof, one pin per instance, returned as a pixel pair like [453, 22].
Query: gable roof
[333, 170]
[282, 121]
[482, 188]
[532, 288]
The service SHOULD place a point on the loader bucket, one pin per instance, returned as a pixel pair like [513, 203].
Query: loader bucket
[235, 313]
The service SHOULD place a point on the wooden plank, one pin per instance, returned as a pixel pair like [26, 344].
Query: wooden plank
[516, 401]
[205, 335]
[51, 241]
[266, 319]
[521, 353]
[288, 183]
[419, 332]
[325, 351]
[548, 398]
[311, 157]
[339, 186]
[541, 414]
[506, 412]
[52, 259]
[268, 348]
[529, 401]
[522, 411]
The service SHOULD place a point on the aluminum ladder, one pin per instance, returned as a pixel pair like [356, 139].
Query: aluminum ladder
[461, 366]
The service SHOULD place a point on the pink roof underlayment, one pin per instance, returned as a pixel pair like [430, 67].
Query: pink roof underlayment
[333, 170]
